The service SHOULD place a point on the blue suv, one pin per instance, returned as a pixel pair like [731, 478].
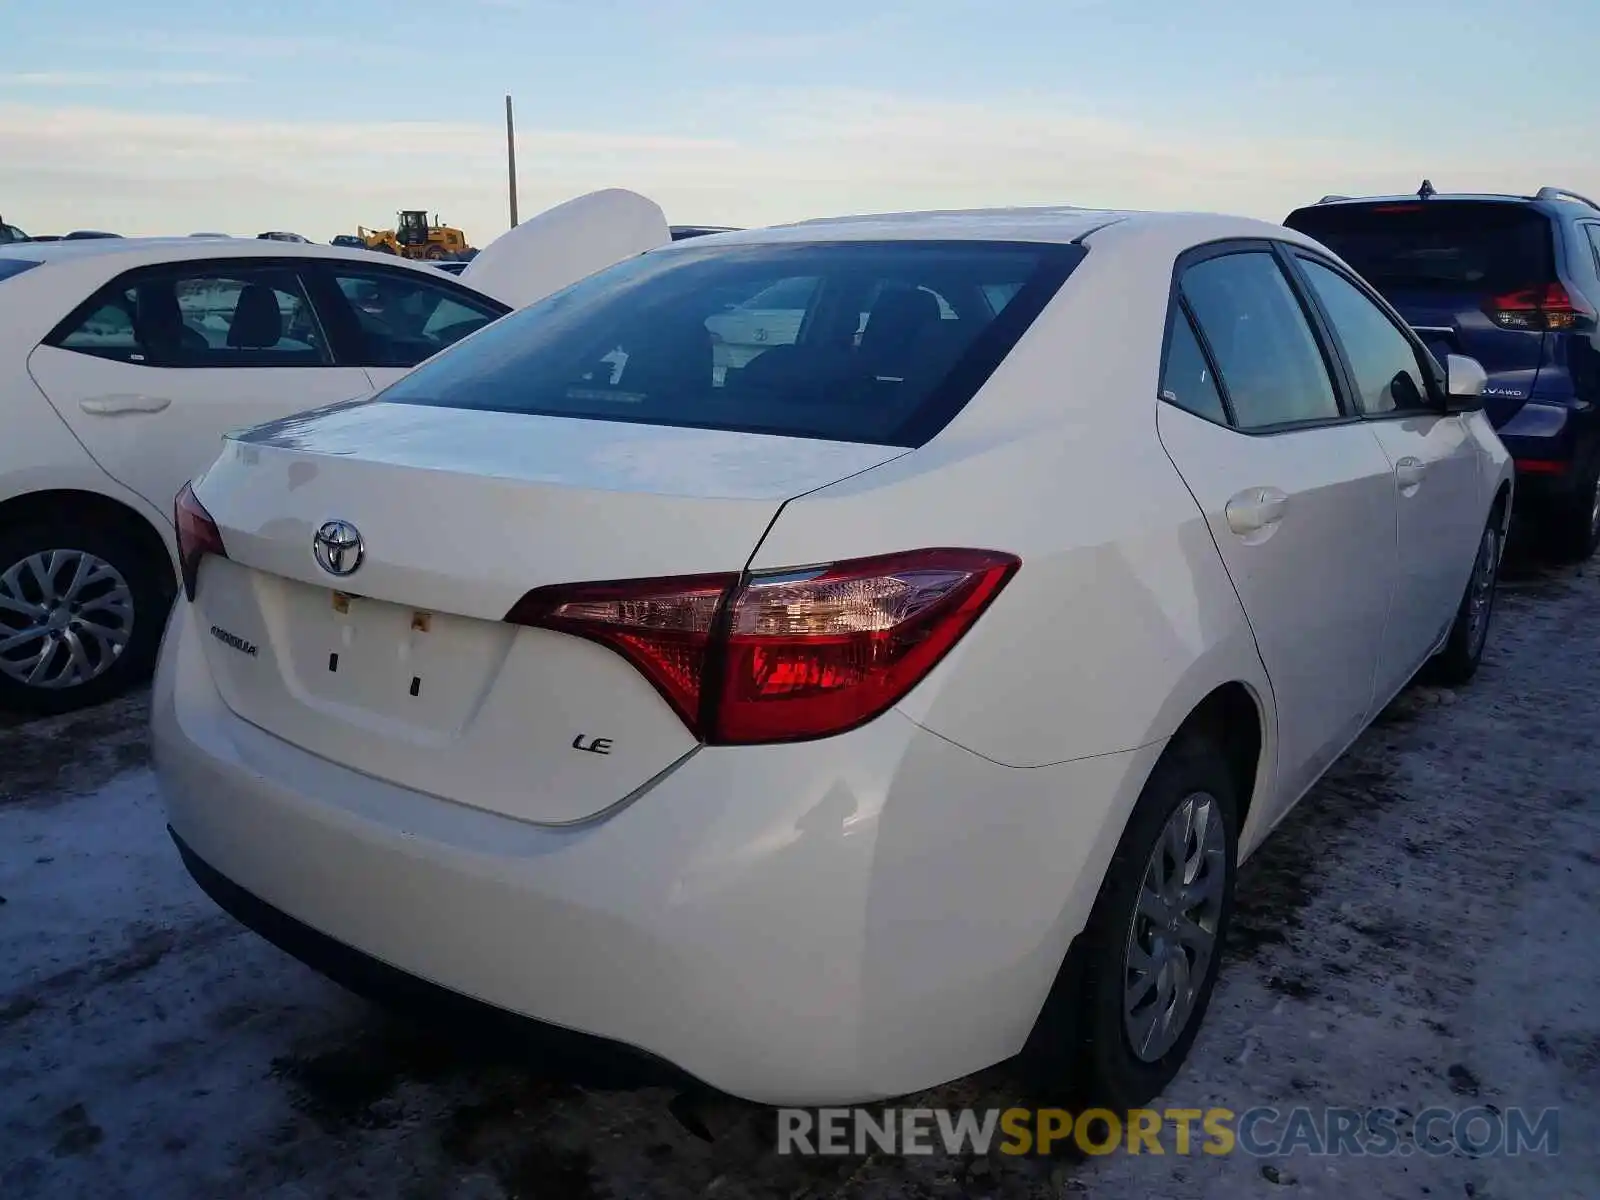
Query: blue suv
[1514, 282]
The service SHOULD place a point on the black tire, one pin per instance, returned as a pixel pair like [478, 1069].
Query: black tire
[1458, 661]
[142, 565]
[1574, 528]
[1081, 1053]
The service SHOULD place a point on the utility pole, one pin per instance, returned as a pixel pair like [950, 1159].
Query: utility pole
[511, 160]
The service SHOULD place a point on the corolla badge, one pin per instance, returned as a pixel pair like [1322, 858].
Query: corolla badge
[338, 547]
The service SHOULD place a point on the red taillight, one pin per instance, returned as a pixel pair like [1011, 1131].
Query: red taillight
[662, 626]
[198, 536]
[783, 656]
[1541, 466]
[1536, 308]
[811, 653]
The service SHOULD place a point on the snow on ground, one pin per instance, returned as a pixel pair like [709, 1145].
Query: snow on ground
[1421, 931]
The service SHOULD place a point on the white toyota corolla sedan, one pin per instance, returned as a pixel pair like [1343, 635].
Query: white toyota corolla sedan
[845, 718]
[123, 361]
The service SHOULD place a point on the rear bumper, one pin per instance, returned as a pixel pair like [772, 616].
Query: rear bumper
[591, 1060]
[805, 924]
[1551, 445]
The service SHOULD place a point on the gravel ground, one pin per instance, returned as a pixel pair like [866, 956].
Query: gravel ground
[1420, 932]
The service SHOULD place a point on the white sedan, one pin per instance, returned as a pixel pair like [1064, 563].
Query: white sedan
[123, 361]
[848, 720]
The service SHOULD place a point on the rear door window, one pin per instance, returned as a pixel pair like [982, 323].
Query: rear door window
[198, 317]
[1477, 247]
[1271, 367]
[105, 327]
[1186, 379]
[880, 342]
[1594, 243]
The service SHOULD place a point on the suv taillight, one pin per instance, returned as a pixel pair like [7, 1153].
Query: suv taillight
[1549, 307]
[198, 536]
[783, 656]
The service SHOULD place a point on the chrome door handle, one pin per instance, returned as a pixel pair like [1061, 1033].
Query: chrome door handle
[1409, 473]
[110, 406]
[1255, 509]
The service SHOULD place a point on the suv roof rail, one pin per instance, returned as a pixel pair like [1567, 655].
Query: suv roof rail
[1558, 193]
[1331, 199]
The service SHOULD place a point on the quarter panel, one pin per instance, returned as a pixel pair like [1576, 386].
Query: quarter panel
[1121, 618]
[1120, 621]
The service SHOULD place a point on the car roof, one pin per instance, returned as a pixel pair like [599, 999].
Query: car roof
[1059, 224]
[1563, 203]
[138, 251]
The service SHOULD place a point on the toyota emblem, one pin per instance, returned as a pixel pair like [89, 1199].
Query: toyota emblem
[338, 548]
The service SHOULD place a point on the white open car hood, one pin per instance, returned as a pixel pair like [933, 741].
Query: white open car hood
[564, 244]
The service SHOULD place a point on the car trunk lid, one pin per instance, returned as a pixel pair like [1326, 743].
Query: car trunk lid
[404, 668]
[564, 244]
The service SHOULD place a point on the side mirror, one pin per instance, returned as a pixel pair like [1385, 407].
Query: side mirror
[1465, 380]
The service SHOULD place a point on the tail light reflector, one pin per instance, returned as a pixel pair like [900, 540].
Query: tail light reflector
[1541, 466]
[1549, 307]
[198, 536]
[783, 656]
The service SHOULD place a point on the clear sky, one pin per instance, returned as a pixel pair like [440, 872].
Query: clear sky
[175, 116]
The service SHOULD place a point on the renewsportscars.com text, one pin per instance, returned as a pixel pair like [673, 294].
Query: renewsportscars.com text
[1479, 1131]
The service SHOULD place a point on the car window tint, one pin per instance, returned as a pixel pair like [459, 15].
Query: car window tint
[242, 317]
[751, 326]
[1186, 376]
[1264, 349]
[249, 316]
[106, 326]
[1455, 246]
[1594, 242]
[403, 320]
[10, 268]
[1382, 360]
[999, 295]
[858, 341]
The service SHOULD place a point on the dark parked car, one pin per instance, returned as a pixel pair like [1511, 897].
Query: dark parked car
[680, 232]
[10, 235]
[1514, 282]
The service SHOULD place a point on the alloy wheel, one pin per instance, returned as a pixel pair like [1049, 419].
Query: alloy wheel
[1480, 592]
[1173, 934]
[66, 616]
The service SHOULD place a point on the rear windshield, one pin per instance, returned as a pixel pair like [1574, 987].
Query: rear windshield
[1436, 245]
[880, 342]
[16, 266]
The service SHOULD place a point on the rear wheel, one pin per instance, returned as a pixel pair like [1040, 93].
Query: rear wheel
[82, 607]
[1130, 1001]
[1463, 649]
[1575, 526]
